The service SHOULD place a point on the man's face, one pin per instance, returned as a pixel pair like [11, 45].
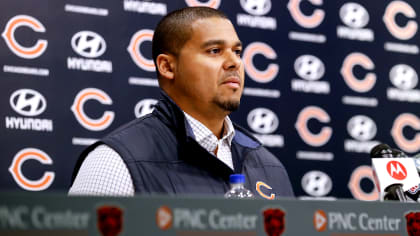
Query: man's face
[209, 71]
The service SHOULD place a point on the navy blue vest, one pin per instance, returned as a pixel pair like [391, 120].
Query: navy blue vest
[162, 156]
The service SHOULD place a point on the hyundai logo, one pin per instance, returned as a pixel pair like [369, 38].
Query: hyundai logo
[88, 44]
[403, 77]
[28, 102]
[354, 15]
[262, 120]
[309, 67]
[361, 128]
[316, 183]
[256, 7]
[144, 107]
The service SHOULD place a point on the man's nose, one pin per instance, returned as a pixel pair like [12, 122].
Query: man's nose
[233, 60]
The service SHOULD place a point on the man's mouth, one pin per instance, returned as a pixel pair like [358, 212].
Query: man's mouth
[233, 82]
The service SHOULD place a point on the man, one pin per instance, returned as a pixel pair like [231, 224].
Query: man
[188, 145]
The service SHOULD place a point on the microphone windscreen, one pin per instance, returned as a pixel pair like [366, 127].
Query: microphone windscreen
[381, 150]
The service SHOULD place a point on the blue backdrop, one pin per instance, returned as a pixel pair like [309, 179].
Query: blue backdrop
[325, 81]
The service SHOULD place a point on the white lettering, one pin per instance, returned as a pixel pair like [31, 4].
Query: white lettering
[402, 48]
[337, 220]
[307, 37]
[13, 218]
[367, 223]
[152, 8]
[143, 81]
[318, 87]
[86, 10]
[185, 218]
[219, 221]
[29, 124]
[83, 141]
[262, 22]
[270, 140]
[360, 101]
[25, 70]
[403, 95]
[355, 34]
[42, 219]
[259, 92]
[320, 156]
[89, 65]
[358, 146]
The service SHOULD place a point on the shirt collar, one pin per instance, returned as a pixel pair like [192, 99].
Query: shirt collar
[203, 134]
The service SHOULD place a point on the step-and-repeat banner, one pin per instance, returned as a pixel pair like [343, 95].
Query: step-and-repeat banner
[325, 82]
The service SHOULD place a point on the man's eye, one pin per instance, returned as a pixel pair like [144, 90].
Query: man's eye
[214, 50]
[238, 52]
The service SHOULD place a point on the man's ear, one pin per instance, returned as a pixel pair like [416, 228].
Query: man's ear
[166, 65]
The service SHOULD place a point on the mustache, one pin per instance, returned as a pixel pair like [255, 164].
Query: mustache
[227, 76]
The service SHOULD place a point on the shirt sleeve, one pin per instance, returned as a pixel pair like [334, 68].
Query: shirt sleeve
[103, 173]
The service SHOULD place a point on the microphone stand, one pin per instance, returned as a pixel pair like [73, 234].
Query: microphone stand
[395, 192]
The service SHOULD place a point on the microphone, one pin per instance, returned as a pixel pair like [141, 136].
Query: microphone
[381, 150]
[396, 153]
[414, 192]
[394, 192]
[394, 173]
[417, 161]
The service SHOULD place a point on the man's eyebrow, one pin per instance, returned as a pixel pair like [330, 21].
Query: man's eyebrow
[218, 42]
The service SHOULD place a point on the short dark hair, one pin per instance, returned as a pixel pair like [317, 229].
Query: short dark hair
[174, 30]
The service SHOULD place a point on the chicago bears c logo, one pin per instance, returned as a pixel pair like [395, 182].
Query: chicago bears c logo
[400, 7]
[134, 49]
[78, 109]
[363, 173]
[301, 125]
[258, 186]
[16, 169]
[358, 85]
[210, 3]
[402, 121]
[303, 20]
[266, 75]
[22, 51]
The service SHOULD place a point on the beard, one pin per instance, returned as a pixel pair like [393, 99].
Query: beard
[227, 105]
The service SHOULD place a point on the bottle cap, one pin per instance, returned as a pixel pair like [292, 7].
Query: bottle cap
[237, 178]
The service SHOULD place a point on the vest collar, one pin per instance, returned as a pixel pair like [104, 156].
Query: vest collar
[173, 116]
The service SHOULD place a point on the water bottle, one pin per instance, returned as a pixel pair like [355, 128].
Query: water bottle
[237, 189]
